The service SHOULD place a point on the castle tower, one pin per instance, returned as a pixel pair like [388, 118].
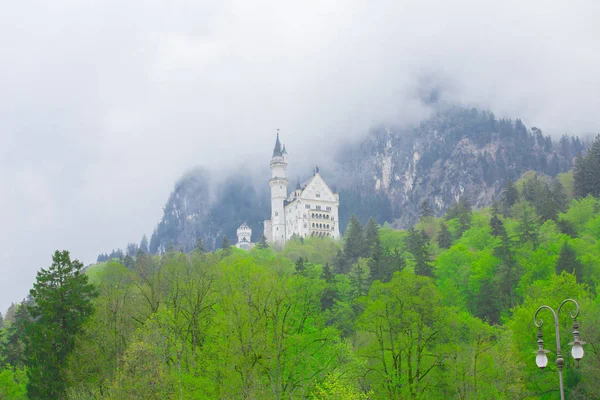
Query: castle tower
[278, 183]
[244, 234]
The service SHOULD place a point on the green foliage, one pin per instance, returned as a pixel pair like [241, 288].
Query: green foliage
[404, 317]
[62, 301]
[13, 384]
[354, 243]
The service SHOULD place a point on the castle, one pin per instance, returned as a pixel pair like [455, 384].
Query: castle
[309, 210]
[244, 234]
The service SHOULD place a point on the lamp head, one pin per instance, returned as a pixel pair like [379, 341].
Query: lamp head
[541, 359]
[577, 350]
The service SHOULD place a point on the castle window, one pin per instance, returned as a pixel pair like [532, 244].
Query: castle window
[280, 187]
[276, 213]
[328, 208]
[318, 207]
[305, 225]
[313, 215]
[307, 206]
[313, 224]
[318, 195]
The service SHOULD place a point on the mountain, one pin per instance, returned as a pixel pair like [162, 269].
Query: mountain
[456, 152]
[198, 207]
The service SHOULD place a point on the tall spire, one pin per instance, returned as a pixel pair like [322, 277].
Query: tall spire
[277, 149]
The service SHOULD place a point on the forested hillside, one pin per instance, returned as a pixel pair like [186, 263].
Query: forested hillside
[443, 310]
[455, 152]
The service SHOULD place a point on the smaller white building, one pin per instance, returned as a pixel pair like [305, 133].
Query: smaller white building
[244, 234]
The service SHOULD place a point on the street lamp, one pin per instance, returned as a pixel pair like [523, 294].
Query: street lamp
[577, 351]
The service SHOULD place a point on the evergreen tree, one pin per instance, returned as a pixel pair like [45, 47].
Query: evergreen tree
[528, 227]
[129, 262]
[327, 274]
[144, 244]
[507, 273]
[300, 268]
[559, 195]
[371, 237]
[418, 244]
[488, 303]
[425, 210]
[62, 301]
[200, 246]
[225, 243]
[329, 294]
[586, 173]
[354, 244]
[567, 261]
[496, 222]
[1, 321]
[567, 228]
[131, 249]
[262, 244]
[13, 352]
[510, 195]
[444, 237]
[340, 263]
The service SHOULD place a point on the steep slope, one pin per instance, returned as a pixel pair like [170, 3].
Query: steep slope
[200, 208]
[457, 152]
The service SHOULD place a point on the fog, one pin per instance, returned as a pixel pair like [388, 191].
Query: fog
[104, 105]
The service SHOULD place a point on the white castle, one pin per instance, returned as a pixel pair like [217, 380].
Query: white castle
[310, 210]
[244, 234]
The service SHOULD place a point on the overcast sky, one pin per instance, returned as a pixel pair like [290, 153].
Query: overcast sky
[104, 104]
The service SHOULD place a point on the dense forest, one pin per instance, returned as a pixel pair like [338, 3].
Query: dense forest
[443, 310]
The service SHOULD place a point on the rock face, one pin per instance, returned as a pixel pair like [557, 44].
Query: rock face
[457, 152]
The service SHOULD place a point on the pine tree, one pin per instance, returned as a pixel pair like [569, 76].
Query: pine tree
[14, 337]
[354, 244]
[371, 237]
[510, 195]
[418, 244]
[62, 301]
[262, 244]
[567, 261]
[496, 222]
[425, 210]
[528, 227]
[200, 246]
[567, 228]
[300, 268]
[444, 237]
[144, 244]
[327, 274]
[464, 216]
[225, 243]
[586, 173]
[559, 195]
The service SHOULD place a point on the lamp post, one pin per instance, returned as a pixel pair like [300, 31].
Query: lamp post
[577, 351]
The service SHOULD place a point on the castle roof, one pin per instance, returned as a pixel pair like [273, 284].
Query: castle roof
[277, 150]
[284, 151]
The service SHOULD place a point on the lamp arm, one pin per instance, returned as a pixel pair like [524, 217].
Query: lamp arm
[539, 322]
[574, 313]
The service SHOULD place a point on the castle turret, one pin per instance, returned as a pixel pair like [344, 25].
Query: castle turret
[278, 183]
[244, 234]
